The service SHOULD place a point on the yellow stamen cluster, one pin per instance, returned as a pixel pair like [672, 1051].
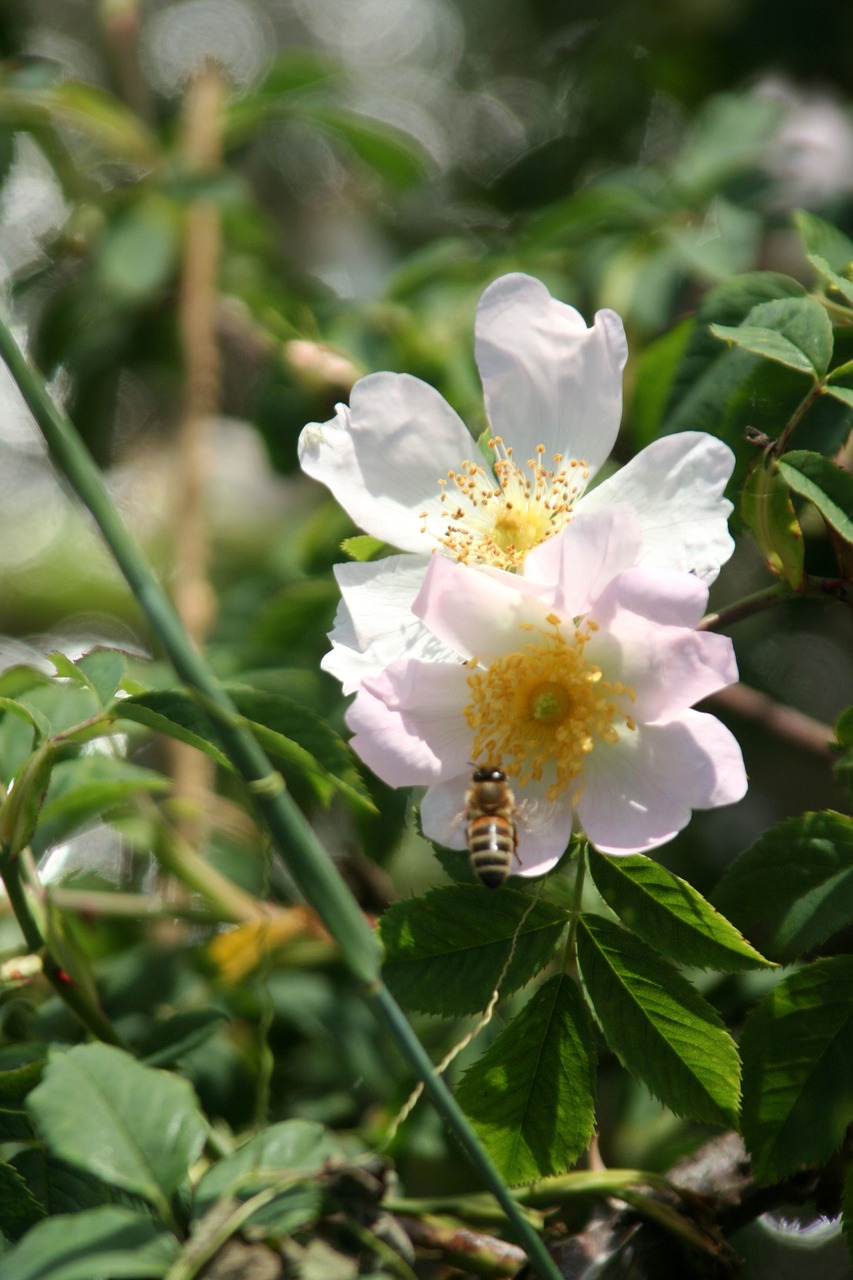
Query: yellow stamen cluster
[499, 525]
[538, 712]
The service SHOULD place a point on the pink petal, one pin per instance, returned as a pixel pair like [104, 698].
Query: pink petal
[479, 611]
[383, 457]
[668, 667]
[408, 724]
[547, 378]
[640, 793]
[676, 486]
[581, 559]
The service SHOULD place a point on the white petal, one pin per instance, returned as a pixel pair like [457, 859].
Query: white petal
[374, 624]
[640, 793]
[408, 724]
[581, 559]
[383, 457]
[676, 486]
[547, 378]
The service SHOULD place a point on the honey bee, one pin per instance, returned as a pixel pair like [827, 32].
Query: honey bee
[490, 815]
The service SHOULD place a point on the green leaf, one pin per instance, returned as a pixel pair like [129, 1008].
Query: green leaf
[99, 117]
[798, 1087]
[84, 788]
[709, 373]
[296, 735]
[446, 951]
[100, 670]
[59, 1187]
[362, 547]
[835, 281]
[20, 810]
[531, 1096]
[99, 1244]
[821, 237]
[792, 331]
[175, 714]
[173, 1037]
[766, 509]
[670, 914]
[99, 1109]
[658, 1024]
[19, 1208]
[17, 1082]
[291, 1152]
[394, 155]
[824, 484]
[136, 258]
[793, 888]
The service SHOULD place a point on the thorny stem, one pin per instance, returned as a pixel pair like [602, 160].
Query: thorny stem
[779, 593]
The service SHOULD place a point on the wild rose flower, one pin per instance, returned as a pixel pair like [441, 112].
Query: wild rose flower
[577, 680]
[405, 467]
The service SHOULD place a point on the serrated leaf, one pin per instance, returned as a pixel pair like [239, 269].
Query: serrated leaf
[793, 888]
[98, 1108]
[798, 1088]
[59, 1187]
[98, 1244]
[824, 484]
[658, 1024]
[670, 914]
[176, 715]
[30, 715]
[276, 1156]
[766, 509]
[531, 1096]
[446, 951]
[793, 331]
[19, 1208]
[710, 373]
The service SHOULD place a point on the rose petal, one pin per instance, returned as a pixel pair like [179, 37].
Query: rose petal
[547, 378]
[640, 793]
[383, 457]
[479, 612]
[408, 724]
[375, 619]
[584, 556]
[676, 486]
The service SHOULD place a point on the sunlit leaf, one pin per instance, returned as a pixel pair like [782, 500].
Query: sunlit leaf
[446, 951]
[797, 1086]
[670, 914]
[530, 1097]
[658, 1024]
